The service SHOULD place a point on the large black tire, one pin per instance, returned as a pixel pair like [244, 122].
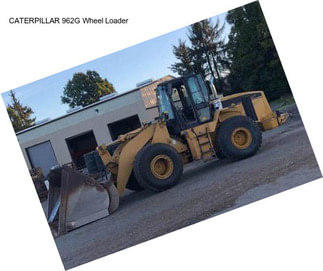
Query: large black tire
[162, 157]
[133, 184]
[238, 137]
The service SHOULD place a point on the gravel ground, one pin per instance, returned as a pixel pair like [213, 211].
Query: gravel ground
[285, 160]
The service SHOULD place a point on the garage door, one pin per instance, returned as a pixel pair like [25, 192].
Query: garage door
[79, 145]
[42, 155]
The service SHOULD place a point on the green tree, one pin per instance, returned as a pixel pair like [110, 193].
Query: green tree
[20, 116]
[254, 60]
[85, 88]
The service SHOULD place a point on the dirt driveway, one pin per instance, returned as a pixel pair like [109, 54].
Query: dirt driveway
[285, 160]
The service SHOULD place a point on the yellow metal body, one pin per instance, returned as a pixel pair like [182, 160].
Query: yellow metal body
[195, 143]
[267, 119]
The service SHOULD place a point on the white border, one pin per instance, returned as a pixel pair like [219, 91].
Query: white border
[283, 232]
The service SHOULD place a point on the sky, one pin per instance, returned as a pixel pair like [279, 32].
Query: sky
[124, 69]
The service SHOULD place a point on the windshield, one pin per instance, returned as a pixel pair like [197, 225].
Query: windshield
[197, 95]
[163, 102]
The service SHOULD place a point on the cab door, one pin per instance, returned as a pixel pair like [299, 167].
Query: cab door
[199, 96]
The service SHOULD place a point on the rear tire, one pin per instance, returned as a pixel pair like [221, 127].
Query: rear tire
[158, 167]
[238, 137]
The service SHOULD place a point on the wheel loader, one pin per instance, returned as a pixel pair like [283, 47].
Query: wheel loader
[194, 123]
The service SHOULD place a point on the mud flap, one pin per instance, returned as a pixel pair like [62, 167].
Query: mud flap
[74, 200]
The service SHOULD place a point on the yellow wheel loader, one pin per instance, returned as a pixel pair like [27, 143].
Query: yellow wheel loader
[194, 123]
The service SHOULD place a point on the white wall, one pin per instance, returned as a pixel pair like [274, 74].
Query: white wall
[86, 120]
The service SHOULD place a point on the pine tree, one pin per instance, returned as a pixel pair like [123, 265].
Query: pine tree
[85, 88]
[212, 36]
[183, 54]
[206, 54]
[207, 38]
[254, 60]
[19, 115]
[198, 35]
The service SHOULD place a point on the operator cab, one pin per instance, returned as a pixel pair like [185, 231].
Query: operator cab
[184, 102]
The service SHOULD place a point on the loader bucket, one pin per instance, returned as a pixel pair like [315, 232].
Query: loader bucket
[75, 199]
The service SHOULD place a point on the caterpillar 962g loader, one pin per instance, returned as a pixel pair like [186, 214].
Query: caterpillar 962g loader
[193, 124]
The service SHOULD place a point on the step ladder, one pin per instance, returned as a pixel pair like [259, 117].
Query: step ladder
[205, 144]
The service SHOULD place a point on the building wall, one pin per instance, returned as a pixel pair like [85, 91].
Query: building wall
[95, 118]
[152, 113]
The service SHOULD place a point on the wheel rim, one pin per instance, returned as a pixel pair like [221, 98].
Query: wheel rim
[241, 138]
[161, 166]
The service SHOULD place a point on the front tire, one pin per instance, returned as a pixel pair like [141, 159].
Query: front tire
[158, 167]
[238, 137]
[133, 184]
[219, 154]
